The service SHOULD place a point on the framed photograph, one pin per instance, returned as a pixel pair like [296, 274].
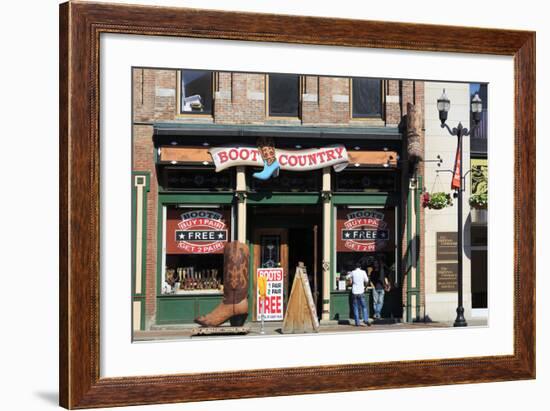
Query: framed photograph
[257, 205]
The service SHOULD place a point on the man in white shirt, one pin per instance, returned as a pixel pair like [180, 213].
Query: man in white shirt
[359, 279]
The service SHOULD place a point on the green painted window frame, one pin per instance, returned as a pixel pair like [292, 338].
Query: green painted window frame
[367, 200]
[198, 199]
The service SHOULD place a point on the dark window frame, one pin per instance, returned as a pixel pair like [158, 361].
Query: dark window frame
[374, 115]
[269, 94]
[180, 96]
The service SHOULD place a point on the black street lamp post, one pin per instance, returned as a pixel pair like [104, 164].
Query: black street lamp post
[444, 105]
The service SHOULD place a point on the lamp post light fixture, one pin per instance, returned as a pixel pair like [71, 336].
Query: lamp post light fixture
[443, 106]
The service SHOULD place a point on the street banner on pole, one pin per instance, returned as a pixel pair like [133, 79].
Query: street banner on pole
[455, 183]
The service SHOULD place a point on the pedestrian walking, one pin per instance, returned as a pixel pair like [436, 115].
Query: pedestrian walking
[358, 279]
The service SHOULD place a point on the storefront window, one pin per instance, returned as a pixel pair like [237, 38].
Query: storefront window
[365, 236]
[195, 241]
[196, 92]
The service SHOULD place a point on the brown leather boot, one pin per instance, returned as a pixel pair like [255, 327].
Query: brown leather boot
[234, 306]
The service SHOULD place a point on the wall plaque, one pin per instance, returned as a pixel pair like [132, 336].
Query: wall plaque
[446, 246]
[447, 274]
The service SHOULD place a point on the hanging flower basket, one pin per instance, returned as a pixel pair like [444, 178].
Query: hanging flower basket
[436, 201]
[478, 201]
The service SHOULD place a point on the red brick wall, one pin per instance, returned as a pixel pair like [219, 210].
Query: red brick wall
[393, 109]
[154, 95]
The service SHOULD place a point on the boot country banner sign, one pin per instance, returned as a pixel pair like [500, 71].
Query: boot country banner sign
[365, 230]
[196, 231]
[293, 160]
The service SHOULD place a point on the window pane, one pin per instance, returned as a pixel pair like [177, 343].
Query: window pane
[195, 239]
[367, 97]
[284, 99]
[196, 91]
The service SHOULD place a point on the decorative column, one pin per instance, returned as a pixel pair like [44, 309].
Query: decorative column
[413, 237]
[327, 223]
[139, 213]
[240, 193]
[415, 155]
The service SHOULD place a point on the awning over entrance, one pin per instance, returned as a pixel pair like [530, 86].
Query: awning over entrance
[276, 131]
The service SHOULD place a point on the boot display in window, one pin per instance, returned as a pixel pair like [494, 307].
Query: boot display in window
[234, 306]
[271, 165]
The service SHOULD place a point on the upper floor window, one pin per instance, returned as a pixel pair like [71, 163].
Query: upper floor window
[284, 95]
[196, 92]
[366, 97]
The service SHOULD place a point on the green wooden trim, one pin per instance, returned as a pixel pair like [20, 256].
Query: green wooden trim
[418, 193]
[333, 253]
[399, 244]
[160, 221]
[290, 198]
[251, 290]
[413, 289]
[182, 309]
[141, 300]
[146, 176]
[408, 257]
[196, 198]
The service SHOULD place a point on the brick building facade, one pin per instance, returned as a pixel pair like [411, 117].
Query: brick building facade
[240, 113]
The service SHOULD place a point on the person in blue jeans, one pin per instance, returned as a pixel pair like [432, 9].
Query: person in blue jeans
[359, 278]
[380, 284]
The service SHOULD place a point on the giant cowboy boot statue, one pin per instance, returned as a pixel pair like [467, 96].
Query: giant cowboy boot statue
[234, 306]
[271, 165]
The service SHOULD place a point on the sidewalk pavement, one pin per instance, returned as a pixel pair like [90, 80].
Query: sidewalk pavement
[185, 331]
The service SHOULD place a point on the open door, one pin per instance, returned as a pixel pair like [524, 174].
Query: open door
[270, 251]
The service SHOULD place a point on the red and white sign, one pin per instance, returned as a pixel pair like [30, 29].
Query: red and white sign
[295, 160]
[274, 294]
[365, 230]
[455, 183]
[196, 231]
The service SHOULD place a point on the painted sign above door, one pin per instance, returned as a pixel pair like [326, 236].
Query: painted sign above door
[294, 160]
[196, 231]
[365, 230]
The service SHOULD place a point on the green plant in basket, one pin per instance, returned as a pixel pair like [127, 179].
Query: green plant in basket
[436, 201]
[478, 201]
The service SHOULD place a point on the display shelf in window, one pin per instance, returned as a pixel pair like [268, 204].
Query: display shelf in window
[201, 275]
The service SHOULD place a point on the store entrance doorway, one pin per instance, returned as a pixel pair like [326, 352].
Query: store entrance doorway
[283, 236]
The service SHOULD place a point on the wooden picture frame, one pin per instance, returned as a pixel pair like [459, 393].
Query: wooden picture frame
[80, 27]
